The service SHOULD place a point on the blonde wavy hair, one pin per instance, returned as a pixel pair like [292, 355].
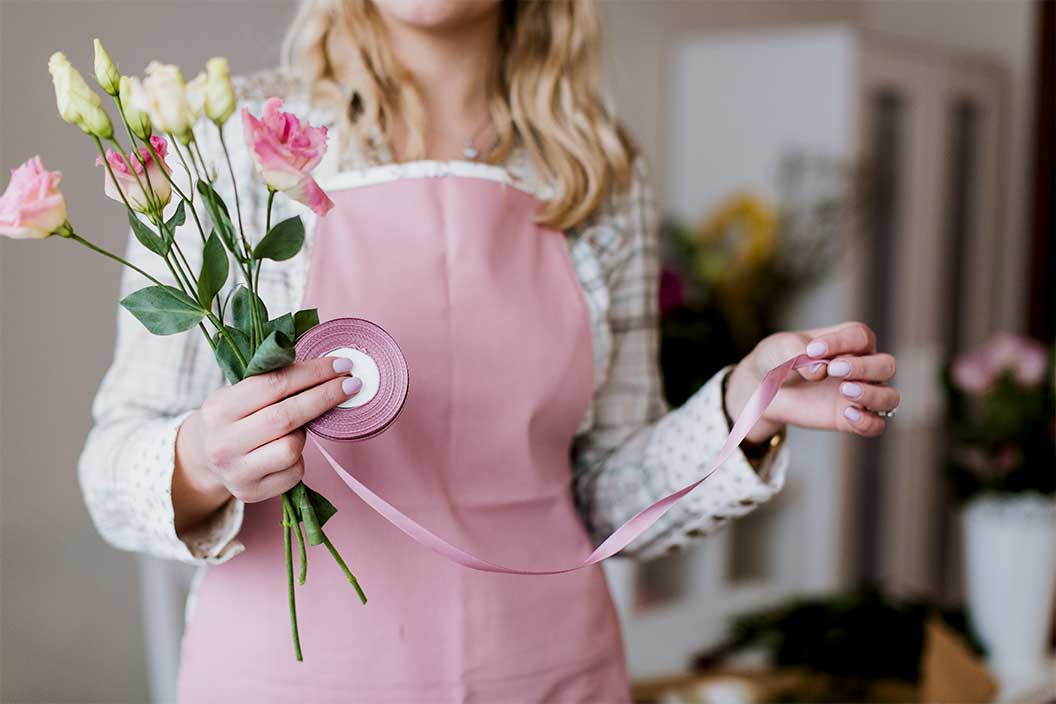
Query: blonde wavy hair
[545, 94]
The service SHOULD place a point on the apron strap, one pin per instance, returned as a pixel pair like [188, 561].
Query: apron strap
[622, 536]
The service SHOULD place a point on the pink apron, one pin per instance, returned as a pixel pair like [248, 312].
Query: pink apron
[490, 316]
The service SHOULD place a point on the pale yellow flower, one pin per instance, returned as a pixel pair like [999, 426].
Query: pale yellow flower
[219, 93]
[77, 103]
[163, 96]
[138, 121]
[106, 74]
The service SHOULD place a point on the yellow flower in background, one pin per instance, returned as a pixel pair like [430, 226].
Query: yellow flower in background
[744, 228]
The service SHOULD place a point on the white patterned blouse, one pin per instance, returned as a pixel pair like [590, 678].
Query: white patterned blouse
[630, 448]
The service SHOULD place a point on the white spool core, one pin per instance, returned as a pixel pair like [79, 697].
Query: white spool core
[364, 369]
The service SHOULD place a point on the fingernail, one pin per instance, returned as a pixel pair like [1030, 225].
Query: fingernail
[815, 368]
[852, 413]
[817, 349]
[839, 368]
[342, 365]
[850, 389]
[351, 385]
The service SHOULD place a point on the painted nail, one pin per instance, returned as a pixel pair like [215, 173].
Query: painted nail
[852, 413]
[342, 365]
[839, 368]
[850, 389]
[351, 385]
[815, 368]
[817, 349]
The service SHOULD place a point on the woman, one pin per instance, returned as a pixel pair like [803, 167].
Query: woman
[493, 216]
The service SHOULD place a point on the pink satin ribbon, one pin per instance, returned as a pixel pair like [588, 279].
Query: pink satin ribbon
[622, 536]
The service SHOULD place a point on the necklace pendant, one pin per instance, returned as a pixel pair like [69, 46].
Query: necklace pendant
[470, 152]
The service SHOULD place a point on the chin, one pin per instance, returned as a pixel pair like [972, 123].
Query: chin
[436, 14]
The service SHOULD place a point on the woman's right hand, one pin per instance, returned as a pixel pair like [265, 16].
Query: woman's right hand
[246, 440]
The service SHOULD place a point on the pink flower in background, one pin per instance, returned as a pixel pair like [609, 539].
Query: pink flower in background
[127, 178]
[972, 374]
[32, 207]
[977, 371]
[672, 291]
[1024, 357]
[286, 151]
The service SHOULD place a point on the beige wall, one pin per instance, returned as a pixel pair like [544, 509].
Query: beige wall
[70, 629]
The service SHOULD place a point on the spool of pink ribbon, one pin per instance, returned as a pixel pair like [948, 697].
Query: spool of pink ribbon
[349, 336]
[380, 365]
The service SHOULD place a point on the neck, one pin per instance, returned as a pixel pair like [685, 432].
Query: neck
[452, 69]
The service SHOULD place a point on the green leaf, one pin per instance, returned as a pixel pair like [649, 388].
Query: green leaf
[313, 511]
[275, 352]
[324, 510]
[233, 369]
[147, 237]
[215, 269]
[177, 219]
[283, 324]
[305, 320]
[219, 215]
[240, 310]
[163, 310]
[282, 241]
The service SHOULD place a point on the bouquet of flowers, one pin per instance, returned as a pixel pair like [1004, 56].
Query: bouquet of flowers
[159, 114]
[1001, 400]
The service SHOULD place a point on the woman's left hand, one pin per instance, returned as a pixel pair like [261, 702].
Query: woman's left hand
[842, 392]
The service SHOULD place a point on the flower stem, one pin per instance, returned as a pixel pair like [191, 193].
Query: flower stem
[286, 521]
[203, 174]
[189, 200]
[300, 538]
[344, 568]
[271, 199]
[113, 256]
[120, 192]
[219, 325]
[234, 187]
[74, 236]
[267, 229]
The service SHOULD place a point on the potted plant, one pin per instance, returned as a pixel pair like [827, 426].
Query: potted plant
[1003, 469]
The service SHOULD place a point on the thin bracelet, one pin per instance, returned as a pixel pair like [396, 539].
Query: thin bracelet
[754, 451]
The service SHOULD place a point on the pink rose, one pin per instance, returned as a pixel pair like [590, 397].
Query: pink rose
[972, 374]
[1024, 357]
[130, 181]
[285, 152]
[33, 207]
[1030, 370]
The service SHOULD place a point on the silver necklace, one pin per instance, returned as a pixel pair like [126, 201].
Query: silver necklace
[469, 149]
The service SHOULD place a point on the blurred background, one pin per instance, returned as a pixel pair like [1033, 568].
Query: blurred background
[865, 159]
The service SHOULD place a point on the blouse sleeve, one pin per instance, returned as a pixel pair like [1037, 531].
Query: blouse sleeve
[154, 382]
[636, 450]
